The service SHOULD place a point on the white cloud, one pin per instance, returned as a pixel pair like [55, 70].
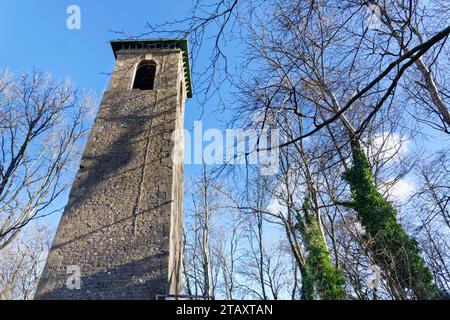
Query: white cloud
[401, 190]
[275, 207]
[391, 146]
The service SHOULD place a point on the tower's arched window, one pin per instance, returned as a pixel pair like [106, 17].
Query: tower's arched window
[145, 76]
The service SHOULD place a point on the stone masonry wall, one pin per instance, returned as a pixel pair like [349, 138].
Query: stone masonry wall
[122, 225]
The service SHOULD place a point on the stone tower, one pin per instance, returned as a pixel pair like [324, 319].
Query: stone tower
[121, 229]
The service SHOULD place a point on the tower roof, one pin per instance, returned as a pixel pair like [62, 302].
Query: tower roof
[143, 44]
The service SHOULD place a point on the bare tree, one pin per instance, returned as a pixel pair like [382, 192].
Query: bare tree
[340, 90]
[22, 263]
[227, 250]
[407, 24]
[42, 126]
[434, 193]
[201, 265]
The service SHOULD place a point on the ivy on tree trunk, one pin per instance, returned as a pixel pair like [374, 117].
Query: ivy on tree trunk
[319, 273]
[393, 250]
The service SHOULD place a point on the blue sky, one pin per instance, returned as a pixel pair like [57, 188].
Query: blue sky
[34, 35]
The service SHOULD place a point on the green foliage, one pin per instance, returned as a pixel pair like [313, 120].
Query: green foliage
[319, 272]
[393, 250]
[307, 284]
